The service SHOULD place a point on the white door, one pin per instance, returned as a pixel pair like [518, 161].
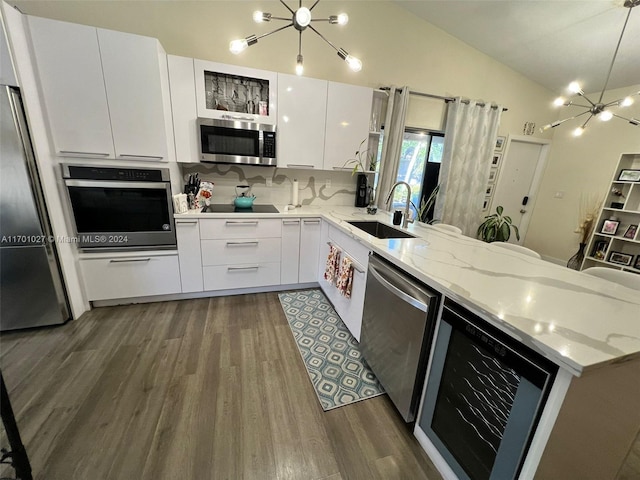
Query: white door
[518, 181]
[348, 119]
[302, 112]
[68, 59]
[309, 249]
[134, 67]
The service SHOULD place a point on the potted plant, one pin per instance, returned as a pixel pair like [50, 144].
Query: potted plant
[496, 227]
[425, 206]
[363, 161]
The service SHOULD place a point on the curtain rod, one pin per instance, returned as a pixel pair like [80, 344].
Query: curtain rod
[439, 97]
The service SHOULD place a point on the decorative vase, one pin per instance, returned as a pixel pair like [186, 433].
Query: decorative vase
[575, 262]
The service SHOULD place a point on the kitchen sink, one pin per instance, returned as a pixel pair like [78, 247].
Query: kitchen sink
[380, 230]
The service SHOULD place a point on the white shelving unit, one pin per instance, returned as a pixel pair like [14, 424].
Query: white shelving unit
[613, 249]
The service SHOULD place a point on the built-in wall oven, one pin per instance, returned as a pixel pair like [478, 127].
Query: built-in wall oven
[118, 208]
[484, 397]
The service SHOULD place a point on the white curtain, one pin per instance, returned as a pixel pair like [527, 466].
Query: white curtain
[469, 141]
[392, 142]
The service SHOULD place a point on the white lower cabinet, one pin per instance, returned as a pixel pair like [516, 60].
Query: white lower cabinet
[220, 228]
[223, 277]
[188, 238]
[240, 252]
[290, 253]
[349, 309]
[309, 249]
[141, 274]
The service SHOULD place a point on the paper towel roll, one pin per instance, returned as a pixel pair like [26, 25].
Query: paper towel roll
[294, 193]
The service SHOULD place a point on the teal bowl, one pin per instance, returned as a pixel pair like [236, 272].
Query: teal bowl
[244, 202]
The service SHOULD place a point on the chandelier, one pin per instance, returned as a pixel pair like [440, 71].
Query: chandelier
[300, 20]
[597, 109]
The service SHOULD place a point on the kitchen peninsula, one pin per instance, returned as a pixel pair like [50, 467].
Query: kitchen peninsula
[587, 326]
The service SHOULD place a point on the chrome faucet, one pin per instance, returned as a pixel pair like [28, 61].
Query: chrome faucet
[407, 211]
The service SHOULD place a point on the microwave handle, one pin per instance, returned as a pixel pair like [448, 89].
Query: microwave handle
[239, 117]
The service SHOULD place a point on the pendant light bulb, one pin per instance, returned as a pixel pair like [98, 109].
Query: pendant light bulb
[605, 115]
[578, 131]
[238, 46]
[299, 66]
[574, 87]
[626, 102]
[558, 102]
[343, 19]
[354, 63]
[260, 17]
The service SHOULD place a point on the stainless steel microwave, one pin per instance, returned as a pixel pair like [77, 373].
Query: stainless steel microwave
[237, 141]
[116, 208]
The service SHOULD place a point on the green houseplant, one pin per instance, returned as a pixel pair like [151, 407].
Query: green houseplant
[496, 227]
[425, 206]
[363, 161]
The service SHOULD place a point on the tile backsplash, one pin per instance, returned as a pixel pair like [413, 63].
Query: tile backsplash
[315, 187]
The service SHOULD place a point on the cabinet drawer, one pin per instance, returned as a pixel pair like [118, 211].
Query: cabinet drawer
[223, 228]
[223, 277]
[108, 278]
[251, 250]
[351, 247]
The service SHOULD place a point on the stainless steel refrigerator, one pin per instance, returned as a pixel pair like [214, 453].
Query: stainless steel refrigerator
[32, 291]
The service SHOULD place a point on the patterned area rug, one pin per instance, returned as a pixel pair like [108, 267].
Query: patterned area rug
[338, 372]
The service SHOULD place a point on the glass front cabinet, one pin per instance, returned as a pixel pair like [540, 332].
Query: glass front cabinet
[230, 92]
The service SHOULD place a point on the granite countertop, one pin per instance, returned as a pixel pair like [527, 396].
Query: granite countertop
[579, 321]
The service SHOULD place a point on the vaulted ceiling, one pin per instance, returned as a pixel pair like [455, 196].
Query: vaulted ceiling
[552, 42]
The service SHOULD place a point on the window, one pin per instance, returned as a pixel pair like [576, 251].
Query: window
[420, 158]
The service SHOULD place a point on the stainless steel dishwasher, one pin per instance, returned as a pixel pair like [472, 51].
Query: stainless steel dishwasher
[397, 328]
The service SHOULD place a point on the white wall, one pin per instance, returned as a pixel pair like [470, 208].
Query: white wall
[579, 167]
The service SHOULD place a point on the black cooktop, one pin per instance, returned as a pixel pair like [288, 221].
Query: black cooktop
[229, 208]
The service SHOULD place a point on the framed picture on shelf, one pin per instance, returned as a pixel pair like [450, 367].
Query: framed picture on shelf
[500, 143]
[495, 162]
[599, 249]
[489, 191]
[485, 204]
[617, 205]
[610, 227]
[629, 175]
[620, 258]
[492, 175]
[637, 264]
[631, 232]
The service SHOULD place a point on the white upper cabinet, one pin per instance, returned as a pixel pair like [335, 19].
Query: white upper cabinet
[183, 106]
[302, 111]
[106, 93]
[137, 83]
[348, 119]
[230, 92]
[68, 64]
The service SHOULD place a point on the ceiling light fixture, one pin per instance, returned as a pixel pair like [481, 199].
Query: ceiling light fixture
[301, 20]
[598, 109]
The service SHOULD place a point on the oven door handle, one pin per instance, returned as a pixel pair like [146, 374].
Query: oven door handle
[405, 297]
[129, 260]
[139, 157]
[116, 184]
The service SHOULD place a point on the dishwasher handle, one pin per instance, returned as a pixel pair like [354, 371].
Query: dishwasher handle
[405, 297]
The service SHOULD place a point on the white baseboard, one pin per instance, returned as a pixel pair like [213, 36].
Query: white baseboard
[188, 296]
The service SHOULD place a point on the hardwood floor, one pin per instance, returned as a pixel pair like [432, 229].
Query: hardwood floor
[196, 389]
